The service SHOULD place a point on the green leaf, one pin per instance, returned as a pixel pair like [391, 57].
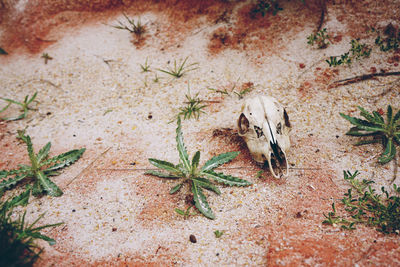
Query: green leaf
[365, 142]
[378, 118]
[3, 52]
[168, 166]
[195, 161]
[183, 155]
[355, 131]
[31, 153]
[366, 115]
[363, 124]
[47, 185]
[175, 188]
[31, 99]
[44, 152]
[180, 212]
[201, 201]
[64, 159]
[219, 160]
[161, 174]
[12, 181]
[206, 184]
[6, 107]
[396, 118]
[20, 200]
[12, 101]
[389, 114]
[389, 152]
[226, 179]
[37, 189]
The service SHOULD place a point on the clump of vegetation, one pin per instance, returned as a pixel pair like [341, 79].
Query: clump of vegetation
[180, 69]
[46, 57]
[24, 105]
[194, 107]
[145, 67]
[390, 39]
[264, 6]
[357, 50]
[133, 27]
[321, 39]
[245, 88]
[17, 238]
[387, 133]
[196, 177]
[40, 169]
[364, 206]
[185, 213]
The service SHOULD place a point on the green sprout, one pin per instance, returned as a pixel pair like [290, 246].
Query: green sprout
[387, 133]
[218, 233]
[265, 6]
[365, 206]
[195, 176]
[185, 213]
[40, 169]
[17, 237]
[46, 57]
[194, 107]
[24, 105]
[134, 27]
[321, 38]
[145, 67]
[180, 69]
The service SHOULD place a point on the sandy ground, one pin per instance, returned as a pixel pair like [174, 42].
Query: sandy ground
[94, 94]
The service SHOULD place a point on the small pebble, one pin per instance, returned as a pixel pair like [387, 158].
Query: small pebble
[192, 239]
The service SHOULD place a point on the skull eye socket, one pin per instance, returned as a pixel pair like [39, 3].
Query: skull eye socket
[279, 128]
[243, 124]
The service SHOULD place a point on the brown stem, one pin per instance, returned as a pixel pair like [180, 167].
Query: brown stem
[363, 78]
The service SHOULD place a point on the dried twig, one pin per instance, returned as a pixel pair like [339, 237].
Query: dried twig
[323, 11]
[362, 78]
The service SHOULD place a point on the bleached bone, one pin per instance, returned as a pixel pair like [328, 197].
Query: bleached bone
[264, 125]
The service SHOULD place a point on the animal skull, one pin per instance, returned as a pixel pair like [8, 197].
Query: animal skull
[264, 125]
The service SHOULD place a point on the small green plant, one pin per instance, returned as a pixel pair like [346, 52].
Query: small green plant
[195, 176]
[40, 169]
[265, 6]
[194, 107]
[321, 39]
[390, 39]
[180, 69]
[24, 105]
[134, 27]
[387, 133]
[259, 174]
[185, 213]
[245, 88]
[357, 50]
[365, 206]
[46, 57]
[343, 59]
[3, 52]
[145, 67]
[17, 238]
[218, 233]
